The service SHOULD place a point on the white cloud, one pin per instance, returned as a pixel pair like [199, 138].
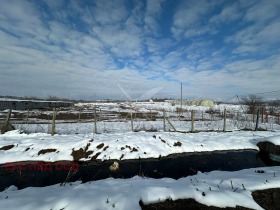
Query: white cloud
[256, 38]
[81, 50]
[229, 13]
[247, 76]
[191, 19]
[263, 11]
[153, 13]
[109, 12]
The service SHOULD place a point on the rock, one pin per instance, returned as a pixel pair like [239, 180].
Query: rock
[114, 167]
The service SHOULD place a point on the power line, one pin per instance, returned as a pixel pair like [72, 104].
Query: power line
[268, 93]
[275, 91]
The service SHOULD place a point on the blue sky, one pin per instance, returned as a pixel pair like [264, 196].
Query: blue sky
[92, 49]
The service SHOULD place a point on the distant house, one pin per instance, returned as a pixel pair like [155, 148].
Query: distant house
[31, 104]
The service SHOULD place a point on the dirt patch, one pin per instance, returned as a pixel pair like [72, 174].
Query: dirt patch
[44, 151]
[7, 147]
[269, 147]
[81, 153]
[134, 150]
[131, 149]
[268, 199]
[138, 115]
[177, 144]
[100, 146]
[146, 129]
[169, 204]
[65, 116]
[95, 156]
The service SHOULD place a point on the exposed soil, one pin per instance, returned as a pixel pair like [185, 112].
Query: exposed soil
[182, 204]
[139, 115]
[268, 199]
[177, 144]
[88, 115]
[7, 147]
[81, 153]
[100, 146]
[44, 151]
[269, 147]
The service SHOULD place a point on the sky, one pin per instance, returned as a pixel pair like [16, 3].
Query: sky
[135, 49]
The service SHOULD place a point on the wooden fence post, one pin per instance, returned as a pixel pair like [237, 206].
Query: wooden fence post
[53, 121]
[225, 120]
[164, 126]
[237, 116]
[6, 123]
[79, 115]
[131, 116]
[170, 124]
[262, 114]
[95, 121]
[192, 118]
[257, 121]
[266, 117]
[26, 119]
[202, 115]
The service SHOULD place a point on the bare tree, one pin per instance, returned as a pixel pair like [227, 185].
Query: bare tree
[274, 107]
[53, 98]
[30, 98]
[253, 102]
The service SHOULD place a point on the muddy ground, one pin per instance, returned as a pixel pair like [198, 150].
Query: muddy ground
[268, 199]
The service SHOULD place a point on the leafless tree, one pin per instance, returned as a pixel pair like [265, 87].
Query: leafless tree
[274, 107]
[253, 102]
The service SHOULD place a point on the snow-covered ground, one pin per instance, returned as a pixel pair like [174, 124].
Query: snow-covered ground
[222, 189]
[116, 118]
[273, 139]
[123, 127]
[130, 145]
[116, 141]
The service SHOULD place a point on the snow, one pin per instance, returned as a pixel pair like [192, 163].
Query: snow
[221, 189]
[273, 139]
[130, 145]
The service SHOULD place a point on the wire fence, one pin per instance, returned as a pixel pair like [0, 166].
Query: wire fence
[119, 118]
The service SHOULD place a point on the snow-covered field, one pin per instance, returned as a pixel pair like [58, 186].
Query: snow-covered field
[117, 142]
[116, 118]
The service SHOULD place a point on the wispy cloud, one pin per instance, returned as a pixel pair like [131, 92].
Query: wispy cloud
[84, 49]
